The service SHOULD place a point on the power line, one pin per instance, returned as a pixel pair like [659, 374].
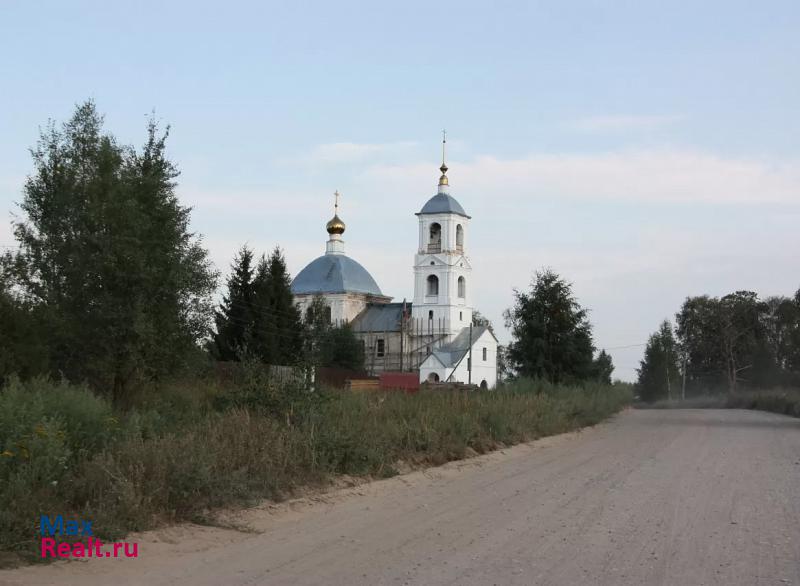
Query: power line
[623, 347]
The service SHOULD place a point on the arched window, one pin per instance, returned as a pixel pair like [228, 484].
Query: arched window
[328, 314]
[433, 285]
[462, 287]
[433, 378]
[459, 238]
[430, 315]
[484, 354]
[435, 238]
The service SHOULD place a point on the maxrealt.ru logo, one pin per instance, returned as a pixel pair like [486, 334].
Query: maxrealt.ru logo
[87, 547]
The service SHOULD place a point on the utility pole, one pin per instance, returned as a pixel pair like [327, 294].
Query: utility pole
[469, 362]
[666, 367]
[402, 330]
[683, 383]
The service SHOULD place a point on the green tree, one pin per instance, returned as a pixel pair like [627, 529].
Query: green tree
[781, 327]
[698, 330]
[741, 334]
[329, 345]
[738, 339]
[659, 375]
[478, 319]
[603, 367]
[316, 325]
[106, 252]
[551, 335]
[793, 345]
[235, 315]
[342, 349]
[278, 326]
[22, 336]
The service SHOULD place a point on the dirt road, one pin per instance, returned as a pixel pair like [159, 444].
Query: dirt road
[652, 497]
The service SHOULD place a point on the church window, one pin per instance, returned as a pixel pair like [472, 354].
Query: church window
[459, 238]
[461, 315]
[432, 263]
[462, 287]
[427, 350]
[435, 238]
[328, 315]
[381, 348]
[484, 354]
[433, 285]
[430, 315]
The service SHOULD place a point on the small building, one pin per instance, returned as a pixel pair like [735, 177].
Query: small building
[454, 362]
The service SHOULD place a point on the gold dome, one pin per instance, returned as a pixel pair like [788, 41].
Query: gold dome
[335, 225]
[443, 179]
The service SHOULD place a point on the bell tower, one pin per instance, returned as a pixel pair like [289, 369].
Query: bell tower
[442, 272]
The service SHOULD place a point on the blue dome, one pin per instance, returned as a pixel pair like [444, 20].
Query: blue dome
[443, 203]
[334, 273]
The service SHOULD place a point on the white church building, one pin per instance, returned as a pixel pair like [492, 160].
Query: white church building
[434, 334]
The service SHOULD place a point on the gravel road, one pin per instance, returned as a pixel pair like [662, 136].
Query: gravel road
[678, 497]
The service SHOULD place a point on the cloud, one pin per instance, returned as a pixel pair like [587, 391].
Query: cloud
[337, 153]
[622, 123]
[287, 202]
[645, 176]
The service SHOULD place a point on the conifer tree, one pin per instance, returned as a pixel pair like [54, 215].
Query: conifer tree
[552, 337]
[235, 315]
[278, 328]
[316, 326]
[603, 367]
[659, 375]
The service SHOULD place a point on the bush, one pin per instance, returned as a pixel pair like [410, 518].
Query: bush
[149, 467]
[38, 407]
[784, 401]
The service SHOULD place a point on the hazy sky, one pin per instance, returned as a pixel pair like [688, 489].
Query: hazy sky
[645, 150]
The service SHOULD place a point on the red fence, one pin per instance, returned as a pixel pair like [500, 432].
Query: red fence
[406, 381]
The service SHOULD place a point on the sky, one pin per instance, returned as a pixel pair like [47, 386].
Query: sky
[645, 151]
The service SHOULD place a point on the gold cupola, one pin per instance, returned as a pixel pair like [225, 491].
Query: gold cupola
[335, 225]
[443, 182]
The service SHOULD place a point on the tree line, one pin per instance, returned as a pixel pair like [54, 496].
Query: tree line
[109, 286]
[723, 344]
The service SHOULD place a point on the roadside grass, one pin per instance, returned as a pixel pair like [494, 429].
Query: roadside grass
[783, 401]
[178, 455]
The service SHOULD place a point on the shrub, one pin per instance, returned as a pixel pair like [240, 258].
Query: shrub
[152, 467]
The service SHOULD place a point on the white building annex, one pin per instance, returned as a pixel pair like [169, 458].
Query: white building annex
[433, 334]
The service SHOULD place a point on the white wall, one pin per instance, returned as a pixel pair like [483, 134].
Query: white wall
[344, 306]
[481, 369]
[454, 312]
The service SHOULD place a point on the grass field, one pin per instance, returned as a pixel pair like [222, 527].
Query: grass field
[187, 448]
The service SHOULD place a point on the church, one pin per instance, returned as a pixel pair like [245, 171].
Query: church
[434, 334]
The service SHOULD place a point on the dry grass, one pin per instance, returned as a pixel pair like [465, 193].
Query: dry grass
[136, 470]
